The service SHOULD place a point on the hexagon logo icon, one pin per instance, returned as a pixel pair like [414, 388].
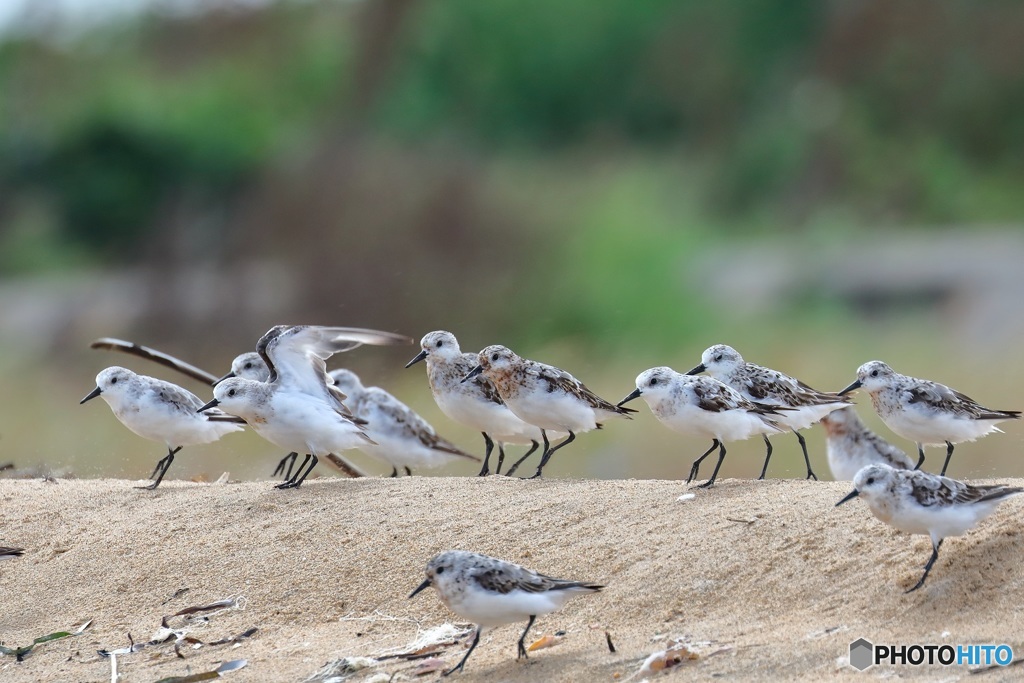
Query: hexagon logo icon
[861, 654]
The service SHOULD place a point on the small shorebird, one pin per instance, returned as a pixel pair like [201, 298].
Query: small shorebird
[703, 406]
[926, 412]
[490, 592]
[917, 502]
[159, 411]
[545, 397]
[770, 387]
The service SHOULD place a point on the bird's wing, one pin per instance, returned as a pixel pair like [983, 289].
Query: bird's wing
[507, 577]
[296, 354]
[931, 490]
[165, 359]
[766, 384]
[563, 381]
[404, 421]
[943, 398]
[178, 398]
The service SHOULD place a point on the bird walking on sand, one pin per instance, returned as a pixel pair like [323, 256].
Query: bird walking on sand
[545, 397]
[159, 411]
[490, 592]
[926, 412]
[770, 387]
[917, 502]
[703, 406]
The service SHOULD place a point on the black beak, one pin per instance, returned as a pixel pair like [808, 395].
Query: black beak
[209, 405]
[91, 395]
[419, 356]
[473, 373]
[227, 376]
[634, 394]
[697, 370]
[425, 584]
[855, 385]
[849, 496]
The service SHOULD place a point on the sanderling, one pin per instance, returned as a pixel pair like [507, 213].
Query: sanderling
[475, 403]
[403, 438]
[771, 387]
[921, 503]
[297, 408]
[490, 592]
[925, 412]
[703, 406]
[544, 396]
[852, 446]
[159, 411]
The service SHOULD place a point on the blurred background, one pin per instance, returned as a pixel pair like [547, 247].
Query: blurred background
[604, 186]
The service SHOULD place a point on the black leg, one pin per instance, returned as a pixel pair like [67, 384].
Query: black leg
[280, 469]
[515, 465]
[290, 482]
[394, 472]
[522, 646]
[485, 470]
[767, 457]
[696, 463]
[306, 474]
[159, 464]
[928, 567]
[408, 472]
[472, 646]
[501, 457]
[807, 460]
[291, 463]
[920, 458]
[949, 454]
[551, 451]
[714, 475]
[166, 462]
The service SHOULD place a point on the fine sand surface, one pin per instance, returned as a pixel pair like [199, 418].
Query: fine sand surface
[764, 580]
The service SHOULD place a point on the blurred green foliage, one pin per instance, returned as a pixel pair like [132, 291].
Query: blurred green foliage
[638, 131]
[924, 128]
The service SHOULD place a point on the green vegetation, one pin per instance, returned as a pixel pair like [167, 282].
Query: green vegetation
[602, 145]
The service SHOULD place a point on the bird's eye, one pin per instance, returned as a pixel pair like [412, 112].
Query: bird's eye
[231, 392]
[440, 570]
[870, 481]
[654, 381]
[113, 381]
[874, 373]
[494, 357]
[440, 343]
[248, 365]
[718, 358]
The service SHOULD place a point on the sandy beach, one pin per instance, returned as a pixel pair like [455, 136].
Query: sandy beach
[759, 580]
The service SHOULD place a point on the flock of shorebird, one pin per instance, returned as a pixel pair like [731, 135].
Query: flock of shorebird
[284, 393]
